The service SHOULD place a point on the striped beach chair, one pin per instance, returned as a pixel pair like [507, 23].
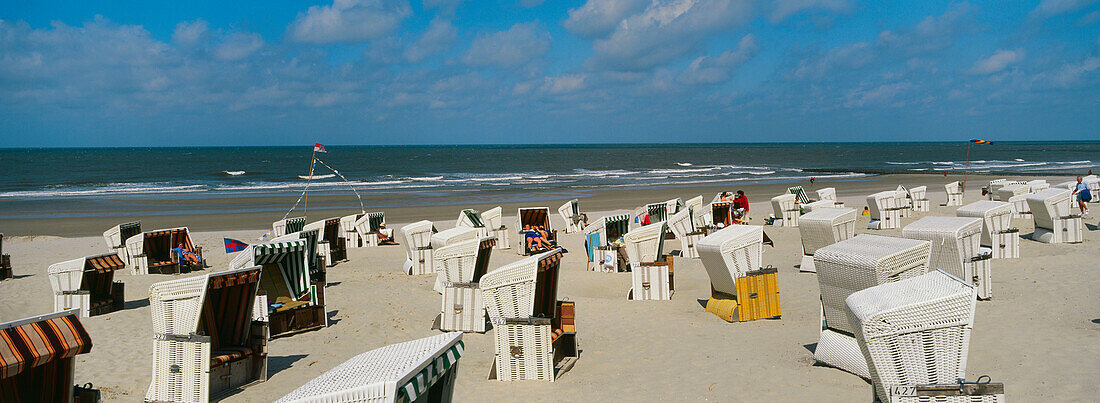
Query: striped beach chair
[460, 266]
[287, 226]
[601, 237]
[38, 357]
[285, 281]
[116, 236]
[151, 252]
[471, 218]
[87, 284]
[330, 241]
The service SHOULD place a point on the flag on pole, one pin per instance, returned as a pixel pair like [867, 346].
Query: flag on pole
[233, 245]
[980, 141]
[319, 148]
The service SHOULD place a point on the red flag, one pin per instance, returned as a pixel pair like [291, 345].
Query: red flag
[319, 148]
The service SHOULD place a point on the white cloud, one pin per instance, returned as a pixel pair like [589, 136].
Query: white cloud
[597, 18]
[238, 46]
[998, 61]
[881, 95]
[786, 8]
[564, 83]
[851, 56]
[666, 31]
[189, 34]
[349, 21]
[439, 36]
[933, 33]
[1068, 75]
[1050, 8]
[717, 69]
[517, 46]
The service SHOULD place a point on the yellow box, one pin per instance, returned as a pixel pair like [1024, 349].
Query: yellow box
[758, 295]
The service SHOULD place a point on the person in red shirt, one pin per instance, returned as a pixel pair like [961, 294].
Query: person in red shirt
[741, 204]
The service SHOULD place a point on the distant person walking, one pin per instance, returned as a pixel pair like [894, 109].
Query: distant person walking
[1083, 195]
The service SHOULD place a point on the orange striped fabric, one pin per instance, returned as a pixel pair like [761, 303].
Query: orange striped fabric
[11, 362]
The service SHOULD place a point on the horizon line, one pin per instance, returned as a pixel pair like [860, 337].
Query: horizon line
[556, 145]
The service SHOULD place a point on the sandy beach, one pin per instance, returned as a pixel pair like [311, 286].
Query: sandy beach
[1038, 335]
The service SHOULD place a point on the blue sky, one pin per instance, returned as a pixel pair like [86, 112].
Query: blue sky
[135, 73]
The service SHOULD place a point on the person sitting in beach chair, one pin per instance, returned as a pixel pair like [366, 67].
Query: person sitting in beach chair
[536, 239]
[385, 235]
[186, 256]
[740, 205]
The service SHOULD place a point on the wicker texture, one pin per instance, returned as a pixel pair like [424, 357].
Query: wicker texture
[494, 221]
[683, 227]
[509, 291]
[524, 352]
[914, 331]
[826, 226]
[954, 193]
[116, 236]
[379, 375]
[1055, 222]
[919, 199]
[646, 245]
[87, 284]
[730, 253]
[1007, 192]
[783, 206]
[997, 233]
[417, 238]
[457, 266]
[571, 214]
[1020, 208]
[820, 204]
[138, 250]
[956, 243]
[885, 209]
[348, 231]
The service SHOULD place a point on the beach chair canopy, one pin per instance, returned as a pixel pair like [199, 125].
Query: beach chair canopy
[523, 289]
[347, 223]
[288, 225]
[826, 194]
[825, 226]
[311, 239]
[94, 274]
[1049, 205]
[996, 217]
[218, 305]
[417, 235]
[657, 211]
[116, 236]
[452, 235]
[402, 372]
[682, 223]
[953, 187]
[799, 193]
[720, 212]
[646, 244]
[329, 229]
[36, 356]
[470, 218]
[534, 216]
[730, 253]
[157, 245]
[285, 267]
[493, 218]
[465, 261]
[950, 248]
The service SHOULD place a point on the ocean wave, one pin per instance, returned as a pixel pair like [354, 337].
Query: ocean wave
[233, 173]
[684, 164]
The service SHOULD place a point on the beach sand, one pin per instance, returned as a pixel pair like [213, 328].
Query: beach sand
[1038, 335]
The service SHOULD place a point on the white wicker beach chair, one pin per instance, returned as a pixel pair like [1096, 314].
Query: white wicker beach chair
[1020, 208]
[730, 253]
[348, 232]
[460, 266]
[38, 357]
[885, 211]
[829, 194]
[444, 238]
[151, 252]
[369, 226]
[601, 238]
[116, 236]
[1037, 185]
[313, 258]
[811, 206]
[650, 269]
[330, 241]
[537, 217]
[571, 214]
[954, 193]
[494, 221]
[205, 342]
[535, 334]
[903, 201]
[471, 218]
[1055, 222]
[1007, 192]
[919, 198]
[417, 238]
[421, 370]
[956, 249]
[285, 279]
[700, 213]
[287, 226]
[995, 186]
[914, 332]
[1093, 182]
[851, 265]
[997, 233]
[684, 228]
[823, 227]
[785, 209]
[87, 284]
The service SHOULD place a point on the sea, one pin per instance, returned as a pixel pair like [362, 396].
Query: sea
[89, 174]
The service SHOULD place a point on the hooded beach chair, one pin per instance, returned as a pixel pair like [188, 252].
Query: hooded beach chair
[205, 342]
[471, 218]
[314, 260]
[914, 332]
[116, 236]
[700, 213]
[1016, 194]
[845, 267]
[799, 194]
[1020, 208]
[786, 210]
[683, 226]
[1093, 182]
[885, 211]
[296, 303]
[721, 213]
[444, 238]
[348, 231]
[87, 284]
[918, 197]
[494, 222]
[997, 232]
[535, 333]
[460, 266]
[651, 270]
[993, 191]
[811, 206]
[571, 214]
[151, 252]
[740, 288]
[1055, 222]
[601, 240]
[956, 249]
[535, 217]
[330, 243]
[417, 238]
[823, 227]
[287, 226]
[421, 370]
[38, 357]
[954, 192]
[903, 201]
[5, 261]
[369, 226]
[829, 194]
[1037, 185]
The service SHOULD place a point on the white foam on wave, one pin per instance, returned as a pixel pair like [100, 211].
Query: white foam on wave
[234, 173]
[684, 164]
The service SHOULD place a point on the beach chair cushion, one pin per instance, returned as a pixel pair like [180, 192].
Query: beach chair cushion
[226, 355]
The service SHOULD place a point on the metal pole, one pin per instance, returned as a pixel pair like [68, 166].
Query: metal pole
[305, 208]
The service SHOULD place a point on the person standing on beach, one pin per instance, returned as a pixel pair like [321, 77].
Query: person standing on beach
[1081, 190]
